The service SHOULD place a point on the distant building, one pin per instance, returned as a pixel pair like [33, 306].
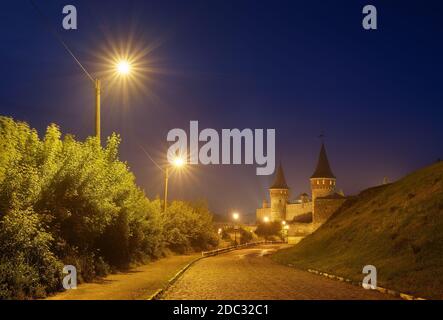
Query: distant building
[304, 214]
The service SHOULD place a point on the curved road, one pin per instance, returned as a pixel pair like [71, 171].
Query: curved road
[249, 274]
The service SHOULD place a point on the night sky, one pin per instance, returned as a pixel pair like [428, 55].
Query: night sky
[301, 67]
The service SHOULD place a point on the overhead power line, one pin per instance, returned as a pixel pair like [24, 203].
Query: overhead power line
[59, 38]
[149, 156]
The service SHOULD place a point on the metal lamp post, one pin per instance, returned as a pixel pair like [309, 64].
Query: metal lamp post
[235, 217]
[177, 163]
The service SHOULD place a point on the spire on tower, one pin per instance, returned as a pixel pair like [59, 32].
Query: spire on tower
[323, 170]
[279, 180]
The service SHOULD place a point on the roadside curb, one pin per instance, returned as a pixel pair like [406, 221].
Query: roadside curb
[236, 247]
[157, 294]
[394, 293]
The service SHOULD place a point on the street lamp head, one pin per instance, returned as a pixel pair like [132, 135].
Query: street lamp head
[235, 216]
[266, 219]
[178, 162]
[123, 67]
[283, 222]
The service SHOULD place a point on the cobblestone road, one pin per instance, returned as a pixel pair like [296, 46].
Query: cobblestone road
[249, 274]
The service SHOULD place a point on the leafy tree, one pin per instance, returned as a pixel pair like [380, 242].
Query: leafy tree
[269, 229]
[64, 201]
[27, 266]
[245, 236]
[188, 227]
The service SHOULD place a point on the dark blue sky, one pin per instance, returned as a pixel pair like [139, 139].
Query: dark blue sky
[297, 66]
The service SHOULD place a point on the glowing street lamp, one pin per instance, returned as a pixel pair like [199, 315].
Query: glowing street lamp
[177, 163]
[123, 68]
[266, 219]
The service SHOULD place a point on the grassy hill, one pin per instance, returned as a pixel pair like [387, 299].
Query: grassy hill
[397, 227]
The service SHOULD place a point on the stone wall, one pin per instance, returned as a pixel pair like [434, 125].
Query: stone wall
[322, 187]
[300, 229]
[294, 210]
[324, 208]
[294, 239]
[261, 213]
[279, 199]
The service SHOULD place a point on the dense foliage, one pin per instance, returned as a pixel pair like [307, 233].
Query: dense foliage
[63, 201]
[237, 236]
[188, 227]
[269, 230]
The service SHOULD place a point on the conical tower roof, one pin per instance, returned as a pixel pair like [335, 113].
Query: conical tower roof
[323, 170]
[279, 180]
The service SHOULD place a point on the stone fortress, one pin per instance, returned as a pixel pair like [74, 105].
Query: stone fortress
[304, 214]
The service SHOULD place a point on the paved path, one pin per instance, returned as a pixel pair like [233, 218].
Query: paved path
[249, 274]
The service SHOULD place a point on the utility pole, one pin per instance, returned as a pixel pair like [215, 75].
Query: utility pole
[97, 109]
[165, 205]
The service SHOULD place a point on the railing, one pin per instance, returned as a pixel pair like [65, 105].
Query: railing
[239, 246]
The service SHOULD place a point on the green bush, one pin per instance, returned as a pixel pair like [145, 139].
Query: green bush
[188, 227]
[269, 230]
[64, 201]
[245, 236]
[27, 266]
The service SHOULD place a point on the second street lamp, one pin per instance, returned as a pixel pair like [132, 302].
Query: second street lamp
[177, 163]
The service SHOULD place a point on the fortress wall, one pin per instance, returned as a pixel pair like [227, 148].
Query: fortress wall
[300, 229]
[261, 213]
[324, 208]
[294, 210]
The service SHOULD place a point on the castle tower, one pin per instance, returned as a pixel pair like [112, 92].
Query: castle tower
[323, 180]
[279, 194]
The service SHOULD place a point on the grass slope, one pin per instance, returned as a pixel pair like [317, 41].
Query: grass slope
[397, 227]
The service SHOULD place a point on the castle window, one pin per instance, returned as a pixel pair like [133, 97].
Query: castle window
[330, 182]
[323, 181]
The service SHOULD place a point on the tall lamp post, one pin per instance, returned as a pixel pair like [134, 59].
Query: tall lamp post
[177, 163]
[286, 231]
[235, 217]
[122, 68]
[97, 109]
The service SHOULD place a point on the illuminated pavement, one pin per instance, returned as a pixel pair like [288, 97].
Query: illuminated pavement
[249, 274]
